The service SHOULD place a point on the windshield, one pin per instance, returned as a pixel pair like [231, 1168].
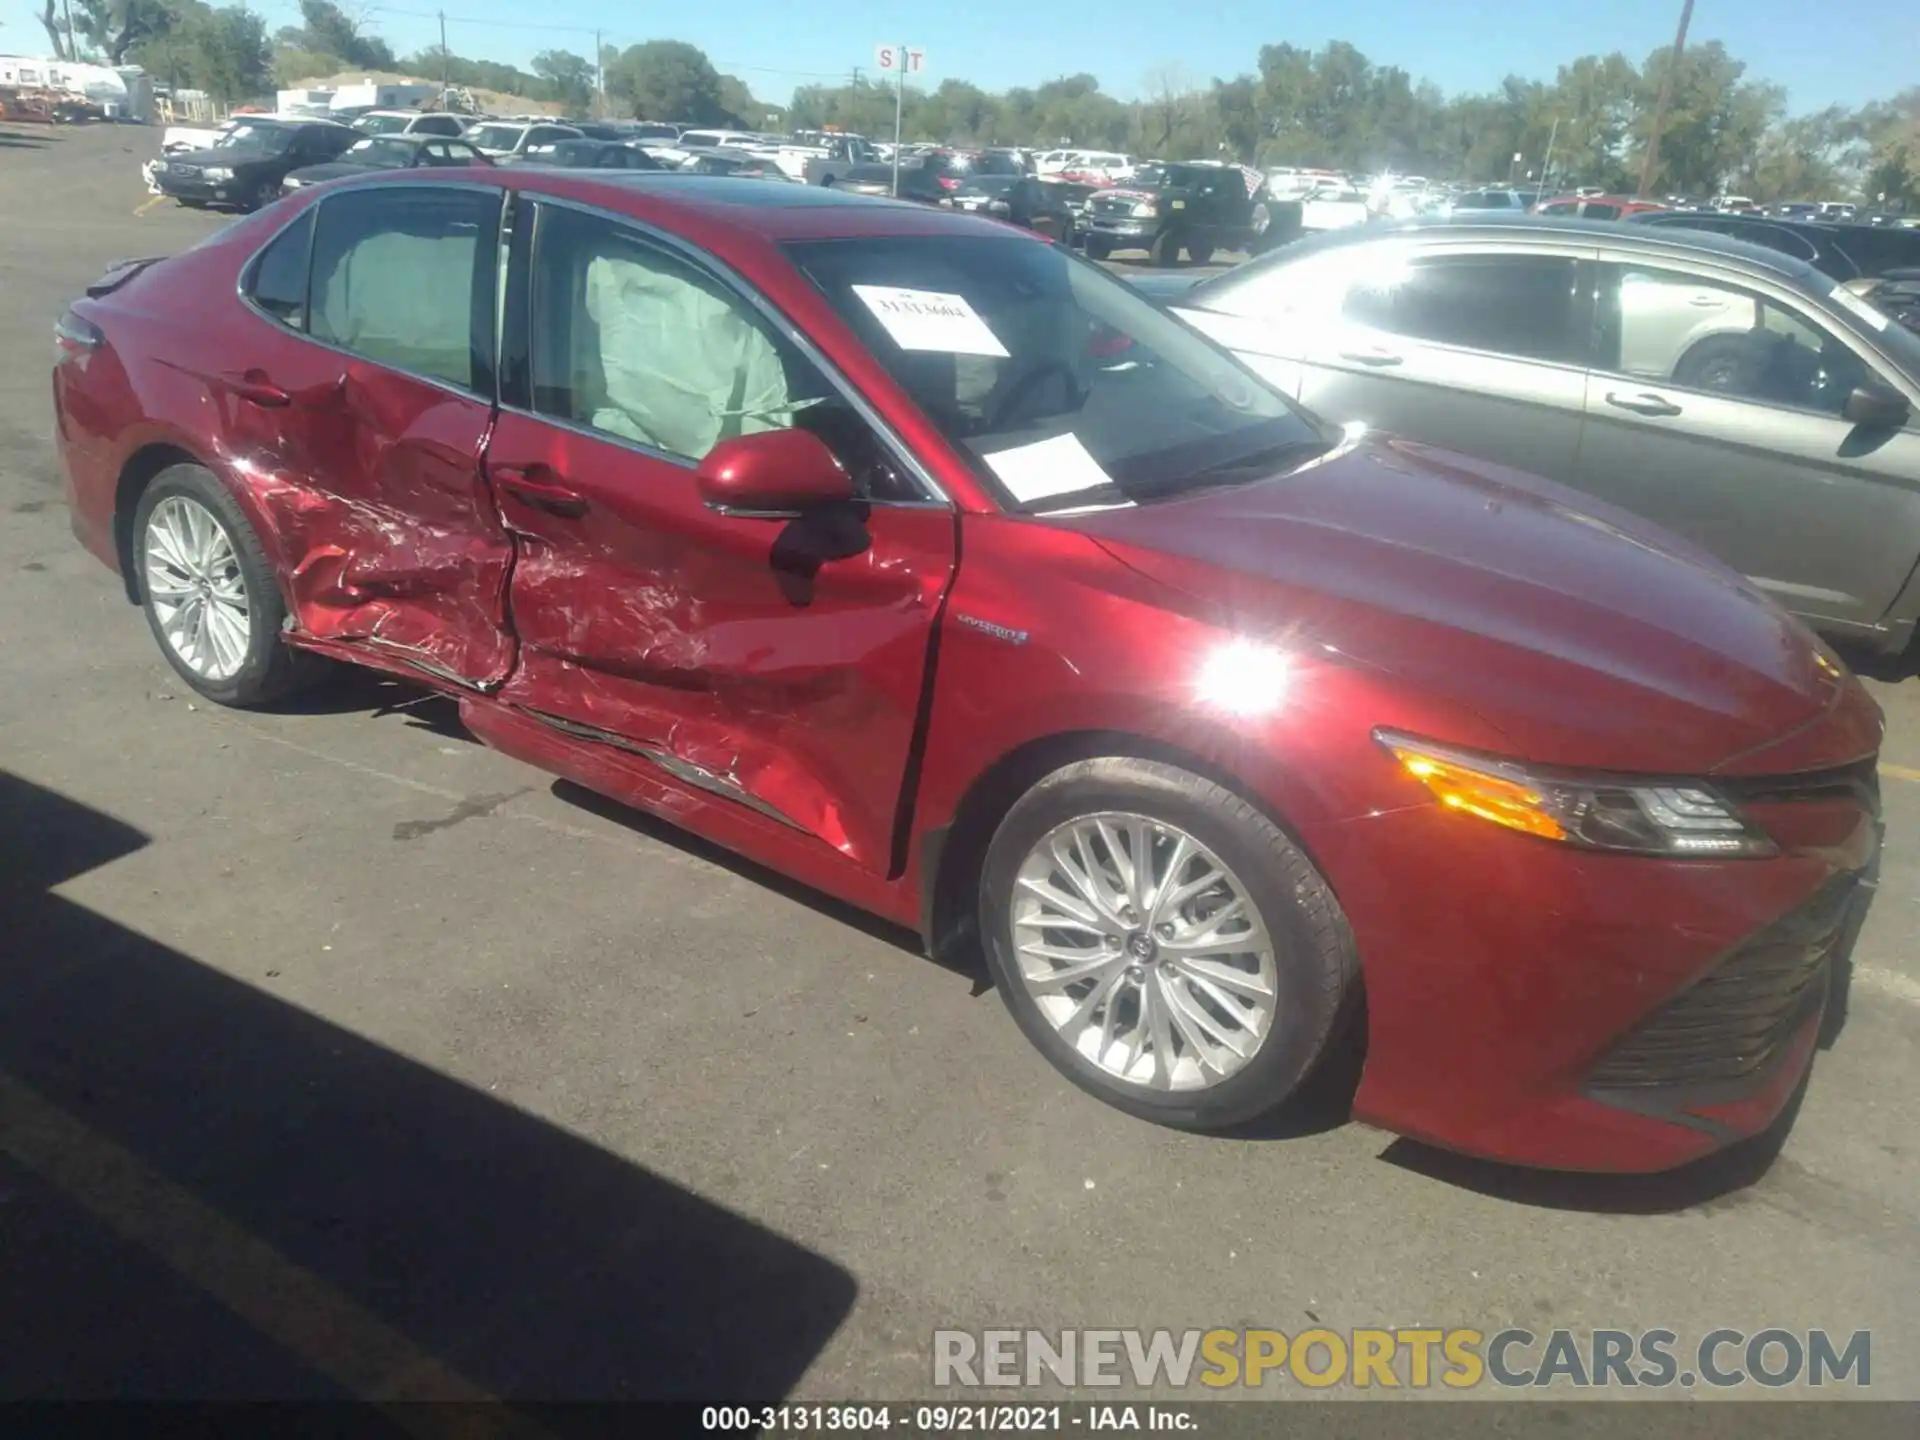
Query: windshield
[381, 124]
[1149, 176]
[1061, 384]
[381, 151]
[496, 137]
[249, 135]
[989, 184]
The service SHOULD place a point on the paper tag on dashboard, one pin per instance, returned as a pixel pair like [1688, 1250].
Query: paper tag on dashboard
[1058, 466]
[930, 320]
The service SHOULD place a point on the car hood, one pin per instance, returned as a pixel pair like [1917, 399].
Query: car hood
[230, 156]
[1586, 636]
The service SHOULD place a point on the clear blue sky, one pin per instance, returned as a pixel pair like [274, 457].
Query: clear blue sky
[1823, 51]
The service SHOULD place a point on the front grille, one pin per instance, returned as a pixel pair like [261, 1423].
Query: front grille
[1859, 782]
[1111, 208]
[1735, 1020]
[183, 170]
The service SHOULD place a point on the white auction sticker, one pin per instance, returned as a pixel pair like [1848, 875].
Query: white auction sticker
[1058, 466]
[930, 320]
[1862, 309]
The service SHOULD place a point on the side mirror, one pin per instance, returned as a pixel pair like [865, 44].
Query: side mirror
[773, 475]
[1878, 406]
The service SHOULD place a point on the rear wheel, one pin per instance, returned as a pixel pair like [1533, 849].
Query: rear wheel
[209, 592]
[1163, 943]
[1729, 364]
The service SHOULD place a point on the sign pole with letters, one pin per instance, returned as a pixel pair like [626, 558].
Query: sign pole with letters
[899, 59]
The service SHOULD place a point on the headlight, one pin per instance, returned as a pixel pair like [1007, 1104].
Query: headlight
[1598, 813]
[292, 184]
[216, 173]
[1147, 207]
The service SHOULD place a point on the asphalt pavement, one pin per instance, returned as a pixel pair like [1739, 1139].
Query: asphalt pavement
[340, 1055]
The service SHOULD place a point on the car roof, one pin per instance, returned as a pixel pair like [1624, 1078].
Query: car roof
[1669, 240]
[767, 211]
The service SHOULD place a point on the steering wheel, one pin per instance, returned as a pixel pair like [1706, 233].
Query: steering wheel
[1001, 408]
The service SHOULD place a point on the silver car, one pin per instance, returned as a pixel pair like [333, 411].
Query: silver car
[1733, 394]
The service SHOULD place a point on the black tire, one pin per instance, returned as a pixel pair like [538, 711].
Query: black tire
[193, 204]
[1199, 254]
[1096, 249]
[1165, 249]
[1316, 969]
[271, 669]
[262, 195]
[1727, 364]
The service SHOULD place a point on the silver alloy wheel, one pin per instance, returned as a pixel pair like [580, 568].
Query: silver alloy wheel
[1144, 950]
[196, 588]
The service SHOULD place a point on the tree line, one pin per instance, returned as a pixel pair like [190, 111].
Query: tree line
[1723, 129]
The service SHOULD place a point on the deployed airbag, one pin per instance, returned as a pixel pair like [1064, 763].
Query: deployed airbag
[682, 368]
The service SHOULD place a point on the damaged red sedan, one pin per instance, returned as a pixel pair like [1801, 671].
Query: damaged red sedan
[913, 557]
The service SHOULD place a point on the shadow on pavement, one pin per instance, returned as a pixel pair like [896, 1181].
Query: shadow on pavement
[13, 139]
[207, 1193]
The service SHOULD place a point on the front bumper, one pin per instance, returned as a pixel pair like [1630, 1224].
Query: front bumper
[1545, 1006]
[195, 187]
[1119, 229]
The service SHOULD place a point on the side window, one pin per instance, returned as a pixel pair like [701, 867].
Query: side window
[1600, 210]
[1519, 305]
[278, 281]
[1561, 207]
[405, 277]
[638, 343]
[1703, 334]
[440, 125]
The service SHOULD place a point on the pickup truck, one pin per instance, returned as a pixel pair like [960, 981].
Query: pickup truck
[842, 153]
[1166, 208]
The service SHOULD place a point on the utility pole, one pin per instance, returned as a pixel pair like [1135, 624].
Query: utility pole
[900, 110]
[444, 63]
[599, 81]
[1652, 161]
[73, 51]
[1547, 164]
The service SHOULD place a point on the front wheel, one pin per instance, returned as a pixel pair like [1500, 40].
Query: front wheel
[1165, 249]
[209, 592]
[1096, 249]
[1163, 943]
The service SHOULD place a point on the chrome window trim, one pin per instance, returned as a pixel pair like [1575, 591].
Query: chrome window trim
[701, 260]
[464, 392]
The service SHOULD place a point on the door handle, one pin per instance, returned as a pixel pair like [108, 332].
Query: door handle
[527, 483]
[256, 389]
[1644, 403]
[1371, 357]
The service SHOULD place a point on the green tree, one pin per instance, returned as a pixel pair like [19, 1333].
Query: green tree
[667, 80]
[1714, 122]
[569, 77]
[229, 55]
[113, 27]
[329, 30]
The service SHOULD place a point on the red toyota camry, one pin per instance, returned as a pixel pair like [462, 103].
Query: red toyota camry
[909, 555]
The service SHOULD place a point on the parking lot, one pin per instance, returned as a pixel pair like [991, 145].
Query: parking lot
[342, 1055]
